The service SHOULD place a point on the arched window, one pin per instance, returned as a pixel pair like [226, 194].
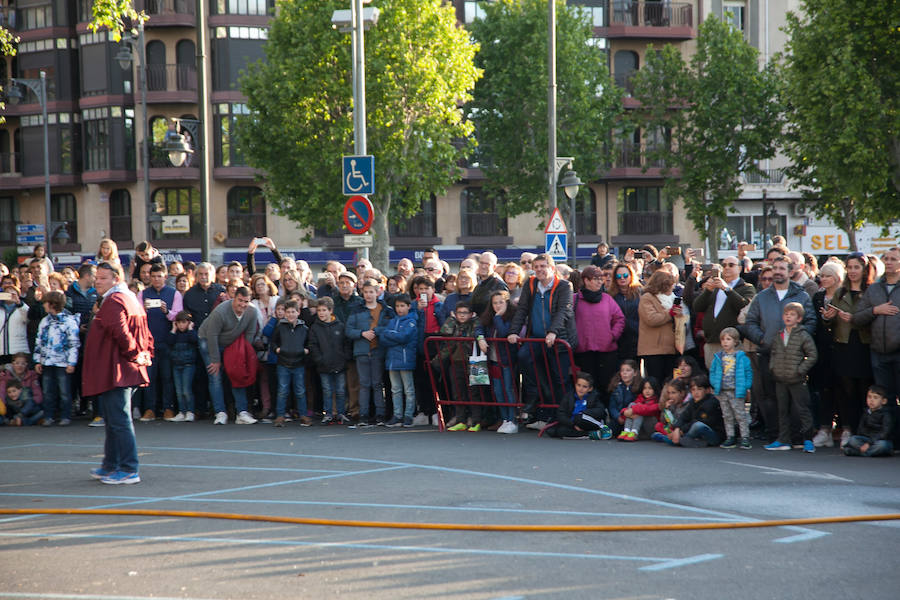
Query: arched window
[625, 65]
[120, 216]
[186, 67]
[246, 213]
[156, 66]
[6, 157]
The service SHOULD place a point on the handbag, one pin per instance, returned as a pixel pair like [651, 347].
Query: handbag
[478, 367]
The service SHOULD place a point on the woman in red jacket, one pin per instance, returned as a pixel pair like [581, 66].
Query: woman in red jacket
[117, 353]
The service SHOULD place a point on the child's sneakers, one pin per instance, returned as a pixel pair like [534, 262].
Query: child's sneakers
[745, 444]
[776, 445]
[605, 432]
[629, 435]
[458, 427]
[729, 443]
[407, 422]
[623, 436]
[475, 428]
[177, 418]
[327, 419]
[808, 447]
[394, 422]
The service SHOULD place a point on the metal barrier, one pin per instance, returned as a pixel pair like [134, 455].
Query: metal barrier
[442, 387]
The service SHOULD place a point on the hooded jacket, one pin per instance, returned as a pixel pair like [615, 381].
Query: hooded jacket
[290, 341]
[328, 346]
[599, 321]
[361, 321]
[57, 342]
[399, 338]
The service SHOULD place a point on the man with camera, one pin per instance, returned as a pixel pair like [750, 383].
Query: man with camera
[724, 294]
[162, 303]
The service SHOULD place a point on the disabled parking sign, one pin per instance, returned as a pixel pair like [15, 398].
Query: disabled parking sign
[358, 175]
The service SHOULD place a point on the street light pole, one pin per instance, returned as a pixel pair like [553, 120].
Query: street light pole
[47, 219]
[203, 101]
[552, 170]
[359, 89]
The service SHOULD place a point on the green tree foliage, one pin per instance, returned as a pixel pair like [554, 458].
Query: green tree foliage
[509, 107]
[419, 71]
[842, 92]
[723, 115]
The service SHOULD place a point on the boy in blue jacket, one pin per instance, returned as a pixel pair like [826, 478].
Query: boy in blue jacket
[399, 338]
[731, 377]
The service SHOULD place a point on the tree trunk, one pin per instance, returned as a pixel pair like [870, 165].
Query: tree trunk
[849, 222]
[712, 236]
[381, 231]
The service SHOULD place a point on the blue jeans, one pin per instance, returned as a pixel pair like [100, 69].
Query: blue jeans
[703, 431]
[160, 374]
[287, 375]
[334, 384]
[876, 448]
[184, 383]
[216, 389]
[371, 386]
[57, 387]
[504, 393]
[120, 450]
[402, 383]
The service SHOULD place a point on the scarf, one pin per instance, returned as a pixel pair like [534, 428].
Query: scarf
[667, 300]
[592, 297]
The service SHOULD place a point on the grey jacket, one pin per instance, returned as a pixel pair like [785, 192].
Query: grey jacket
[791, 363]
[222, 327]
[885, 328]
[764, 315]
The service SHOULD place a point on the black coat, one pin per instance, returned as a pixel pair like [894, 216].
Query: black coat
[705, 411]
[876, 424]
[329, 347]
[291, 342]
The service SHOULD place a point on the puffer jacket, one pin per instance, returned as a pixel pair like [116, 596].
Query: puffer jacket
[600, 323]
[328, 346]
[876, 424]
[885, 336]
[361, 321]
[743, 373]
[764, 317]
[706, 410]
[13, 328]
[57, 341]
[791, 363]
[290, 341]
[183, 346]
[399, 338]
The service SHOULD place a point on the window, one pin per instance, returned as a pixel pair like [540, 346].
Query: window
[246, 213]
[9, 214]
[186, 65]
[243, 7]
[644, 210]
[35, 17]
[96, 139]
[625, 64]
[658, 139]
[233, 49]
[178, 201]
[156, 66]
[593, 10]
[750, 229]
[481, 214]
[227, 152]
[421, 224]
[734, 13]
[7, 158]
[63, 209]
[585, 211]
[120, 216]
[472, 10]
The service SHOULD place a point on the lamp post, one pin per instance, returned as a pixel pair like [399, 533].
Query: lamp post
[39, 87]
[178, 149]
[124, 58]
[570, 184]
[356, 20]
[553, 164]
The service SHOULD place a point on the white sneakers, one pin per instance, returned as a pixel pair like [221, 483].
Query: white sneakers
[508, 427]
[434, 420]
[537, 425]
[845, 437]
[135, 413]
[221, 419]
[420, 419]
[823, 438]
[178, 418]
[189, 417]
[245, 418]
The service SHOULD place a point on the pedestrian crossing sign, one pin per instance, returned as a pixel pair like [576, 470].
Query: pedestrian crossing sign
[556, 245]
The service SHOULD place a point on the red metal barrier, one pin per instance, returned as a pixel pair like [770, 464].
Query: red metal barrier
[443, 394]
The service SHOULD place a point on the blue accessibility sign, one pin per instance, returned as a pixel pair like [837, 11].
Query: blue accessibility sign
[358, 175]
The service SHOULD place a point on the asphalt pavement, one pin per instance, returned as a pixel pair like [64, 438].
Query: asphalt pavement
[423, 476]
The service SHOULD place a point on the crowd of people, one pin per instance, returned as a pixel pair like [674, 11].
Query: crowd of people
[664, 347]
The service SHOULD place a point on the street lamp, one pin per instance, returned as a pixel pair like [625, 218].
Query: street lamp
[39, 87]
[570, 184]
[124, 58]
[356, 20]
[177, 148]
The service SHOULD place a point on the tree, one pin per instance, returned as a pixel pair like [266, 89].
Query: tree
[509, 106]
[723, 116]
[419, 68]
[841, 71]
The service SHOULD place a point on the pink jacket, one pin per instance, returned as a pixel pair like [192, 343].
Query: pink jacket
[599, 324]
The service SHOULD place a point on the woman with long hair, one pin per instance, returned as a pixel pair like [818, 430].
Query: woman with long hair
[626, 291]
[656, 333]
[822, 381]
[851, 360]
[107, 251]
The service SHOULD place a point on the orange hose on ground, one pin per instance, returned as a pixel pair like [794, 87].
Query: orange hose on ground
[449, 526]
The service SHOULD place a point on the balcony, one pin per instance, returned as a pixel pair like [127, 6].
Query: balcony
[162, 170]
[167, 13]
[631, 162]
[172, 83]
[10, 164]
[649, 19]
[767, 177]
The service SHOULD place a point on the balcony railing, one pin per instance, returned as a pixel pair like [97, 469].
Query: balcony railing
[10, 163]
[625, 81]
[768, 176]
[165, 7]
[168, 78]
[419, 225]
[485, 224]
[650, 13]
[631, 223]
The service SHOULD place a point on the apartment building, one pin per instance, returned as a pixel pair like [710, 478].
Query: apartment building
[96, 123]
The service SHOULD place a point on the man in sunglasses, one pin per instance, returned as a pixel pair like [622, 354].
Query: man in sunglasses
[721, 300]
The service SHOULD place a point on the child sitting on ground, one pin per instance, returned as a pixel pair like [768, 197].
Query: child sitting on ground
[642, 414]
[873, 436]
[731, 376]
[581, 415]
[623, 389]
[19, 408]
[18, 370]
[672, 404]
[700, 424]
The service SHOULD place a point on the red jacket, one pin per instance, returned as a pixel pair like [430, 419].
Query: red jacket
[645, 407]
[117, 334]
